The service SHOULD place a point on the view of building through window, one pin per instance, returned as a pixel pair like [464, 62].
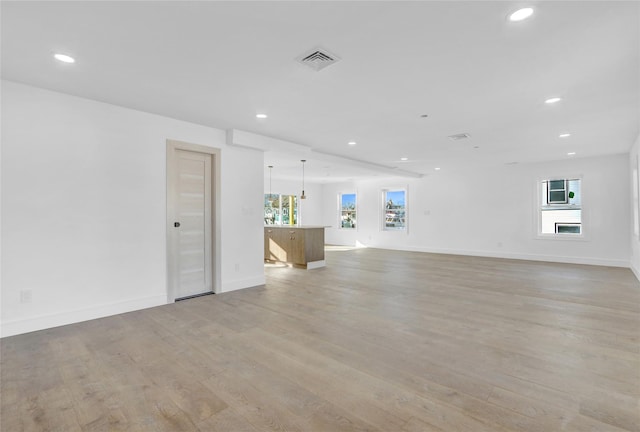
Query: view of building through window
[395, 208]
[561, 207]
[348, 211]
[280, 209]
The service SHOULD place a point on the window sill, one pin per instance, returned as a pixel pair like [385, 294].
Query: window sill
[557, 207]
[562, 237]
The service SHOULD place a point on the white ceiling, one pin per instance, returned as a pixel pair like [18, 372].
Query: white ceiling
[462, 63]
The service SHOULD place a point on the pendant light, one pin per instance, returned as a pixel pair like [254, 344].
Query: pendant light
[303, 196]
[270, 167]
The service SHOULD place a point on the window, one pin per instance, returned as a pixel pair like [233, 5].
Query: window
[348, 211]
[271, 209]
[561, 207]
[567, 228]
[557, 192]
[289, 209]
[278, 209]
[395, 210]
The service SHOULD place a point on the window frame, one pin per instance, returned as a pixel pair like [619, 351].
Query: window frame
[383, 210]
[564, 191]
[538, 208]
[355, 210]
[559, 225]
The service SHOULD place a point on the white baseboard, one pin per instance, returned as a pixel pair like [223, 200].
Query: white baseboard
[242, 283]
[519, 256]
[41, 322]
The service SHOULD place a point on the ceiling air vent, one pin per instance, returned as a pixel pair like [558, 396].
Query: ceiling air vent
[458, 137]
[317, 59]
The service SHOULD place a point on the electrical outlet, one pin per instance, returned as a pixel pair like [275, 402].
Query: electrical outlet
[237, 267]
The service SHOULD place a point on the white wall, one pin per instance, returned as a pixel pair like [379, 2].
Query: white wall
[492, 212]
[634, 163]
[311, 207]
[84, 205]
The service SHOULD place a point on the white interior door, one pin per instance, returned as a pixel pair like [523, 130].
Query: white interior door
[192, 241]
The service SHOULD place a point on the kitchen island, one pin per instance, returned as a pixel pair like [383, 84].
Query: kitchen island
[299, 246]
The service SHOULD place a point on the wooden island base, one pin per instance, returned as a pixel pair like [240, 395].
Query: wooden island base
[298, 246]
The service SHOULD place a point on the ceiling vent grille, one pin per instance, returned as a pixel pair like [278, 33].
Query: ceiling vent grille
[317, 59]
[458, 137]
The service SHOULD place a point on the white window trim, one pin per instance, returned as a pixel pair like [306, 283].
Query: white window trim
[565, 191]
[382, 209]
[584, 219]
[340, 212]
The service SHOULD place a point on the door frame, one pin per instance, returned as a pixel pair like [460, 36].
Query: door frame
[214, 153]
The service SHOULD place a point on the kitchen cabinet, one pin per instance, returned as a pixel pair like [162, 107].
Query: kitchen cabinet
[300, 246]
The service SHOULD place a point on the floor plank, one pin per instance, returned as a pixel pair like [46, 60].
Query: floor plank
[375, 341]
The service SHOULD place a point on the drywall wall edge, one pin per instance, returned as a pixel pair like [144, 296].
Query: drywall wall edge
[238, 284]
[635, 271]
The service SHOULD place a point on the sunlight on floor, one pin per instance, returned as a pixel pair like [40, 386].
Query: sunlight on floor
[339, 248]
[275, 265]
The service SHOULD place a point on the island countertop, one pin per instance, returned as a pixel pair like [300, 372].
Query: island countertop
[296, 226]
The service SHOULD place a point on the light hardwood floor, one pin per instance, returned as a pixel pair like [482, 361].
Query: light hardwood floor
[376, 341]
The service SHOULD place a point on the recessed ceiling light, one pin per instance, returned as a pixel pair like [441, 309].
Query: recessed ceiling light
[437, 168]
[64, 58]
[261, 116]
[352, 143]
[424, 115]
[404, 159]
[553, 100]
[521, 14]
[564, 135]
[459, 136]
[571, 153]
